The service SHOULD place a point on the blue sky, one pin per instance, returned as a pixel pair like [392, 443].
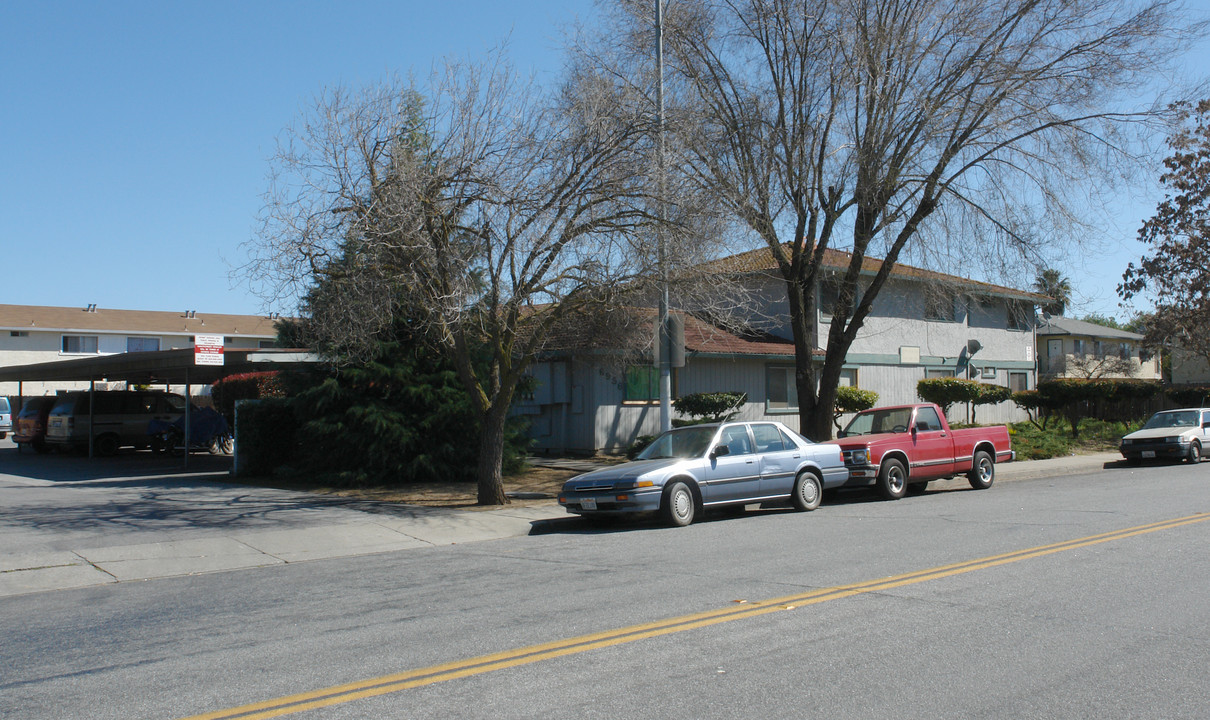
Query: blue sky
[137, 134]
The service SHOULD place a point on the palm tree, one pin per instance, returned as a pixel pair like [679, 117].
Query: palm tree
[1050, 282]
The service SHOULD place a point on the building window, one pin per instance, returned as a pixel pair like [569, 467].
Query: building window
[1016, 316]
[988, 373]
[829, 294]
[642, 384]
[1018, 381]
[781, 390]
[1078, 348]
[848, 377]
[18, 333]
[142, 344]
[938, 373]
[79, 344]
[938, 306]
[264, 344]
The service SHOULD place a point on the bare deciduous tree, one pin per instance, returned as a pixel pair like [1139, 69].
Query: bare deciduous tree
[897, 129]
[485, 211]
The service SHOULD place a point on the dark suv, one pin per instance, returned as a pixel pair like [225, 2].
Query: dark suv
[120, 418]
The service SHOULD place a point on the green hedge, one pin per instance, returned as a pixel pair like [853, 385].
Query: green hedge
[244, 386]
[1076, 399]
[266, 435]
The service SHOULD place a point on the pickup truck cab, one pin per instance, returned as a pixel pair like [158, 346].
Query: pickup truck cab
[900, 449]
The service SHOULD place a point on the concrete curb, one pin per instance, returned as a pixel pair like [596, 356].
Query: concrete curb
[346, 531]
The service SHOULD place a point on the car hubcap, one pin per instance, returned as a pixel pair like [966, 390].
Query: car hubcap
[808, 492]
[985, 471]
[897, 481]
[682, 504]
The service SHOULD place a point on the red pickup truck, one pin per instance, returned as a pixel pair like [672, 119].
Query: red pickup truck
[900, 449]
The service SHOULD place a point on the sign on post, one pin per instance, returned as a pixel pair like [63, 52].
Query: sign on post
[207, 349]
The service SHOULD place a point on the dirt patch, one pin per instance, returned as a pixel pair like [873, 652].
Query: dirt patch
[536, 486]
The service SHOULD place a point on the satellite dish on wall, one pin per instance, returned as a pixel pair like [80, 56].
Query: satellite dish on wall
[973, 346]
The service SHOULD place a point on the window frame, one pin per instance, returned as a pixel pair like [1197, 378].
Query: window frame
[791, 390]
[63, 342]
[653, 396]
[939, 307]
[143, 338]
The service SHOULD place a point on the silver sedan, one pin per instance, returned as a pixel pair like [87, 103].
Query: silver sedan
[687, 470]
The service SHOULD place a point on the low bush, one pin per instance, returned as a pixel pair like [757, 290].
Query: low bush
[1035, 443]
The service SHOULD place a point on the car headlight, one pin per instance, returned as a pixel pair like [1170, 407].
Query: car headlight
[861, 457]
[632, 484]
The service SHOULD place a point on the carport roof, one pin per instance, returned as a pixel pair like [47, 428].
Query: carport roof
[162, 367]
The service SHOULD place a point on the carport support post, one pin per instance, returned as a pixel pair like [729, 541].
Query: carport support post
[20, 404]
[92, 406]
[187, 414]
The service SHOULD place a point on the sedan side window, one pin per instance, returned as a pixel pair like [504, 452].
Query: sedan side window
[768, 439]
[736, 440]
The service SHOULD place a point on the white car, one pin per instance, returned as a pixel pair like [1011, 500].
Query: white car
[685, 471]
[1171, 434]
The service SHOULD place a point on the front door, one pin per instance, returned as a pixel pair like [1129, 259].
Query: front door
[1054, 356]
[932, 447]
[735, 475]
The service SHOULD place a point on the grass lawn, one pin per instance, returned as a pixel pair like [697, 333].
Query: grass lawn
[1096, 436]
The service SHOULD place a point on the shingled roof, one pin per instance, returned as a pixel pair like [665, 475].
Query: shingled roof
[94, 319]
[760, 261]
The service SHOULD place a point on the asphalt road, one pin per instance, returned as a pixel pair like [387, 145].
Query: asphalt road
[1079, 596]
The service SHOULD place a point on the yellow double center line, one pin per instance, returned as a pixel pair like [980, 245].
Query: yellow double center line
[738, 611]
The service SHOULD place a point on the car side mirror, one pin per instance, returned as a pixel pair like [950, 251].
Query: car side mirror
[720, 451]
[842, 434]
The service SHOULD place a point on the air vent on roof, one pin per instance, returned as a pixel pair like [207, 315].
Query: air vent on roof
[92, 308]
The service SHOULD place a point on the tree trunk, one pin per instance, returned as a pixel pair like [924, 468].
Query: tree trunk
[801, 297]
[491, 457]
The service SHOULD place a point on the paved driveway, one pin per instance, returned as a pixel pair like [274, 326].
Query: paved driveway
[70, 521]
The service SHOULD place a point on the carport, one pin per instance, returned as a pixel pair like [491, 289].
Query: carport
[164, 367]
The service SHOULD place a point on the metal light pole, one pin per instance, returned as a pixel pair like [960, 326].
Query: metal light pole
[665, 338]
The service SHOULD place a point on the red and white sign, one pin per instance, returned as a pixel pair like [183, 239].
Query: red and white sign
[208, 350]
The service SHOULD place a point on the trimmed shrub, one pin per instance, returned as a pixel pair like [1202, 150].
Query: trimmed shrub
[852, 400]
[950, 390]
[1189, 396]
[710, 407]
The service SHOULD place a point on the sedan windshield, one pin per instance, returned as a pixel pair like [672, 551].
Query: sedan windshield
[1171, 419]
[689, 442]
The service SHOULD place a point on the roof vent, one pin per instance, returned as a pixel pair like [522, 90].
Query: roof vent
[92, 308]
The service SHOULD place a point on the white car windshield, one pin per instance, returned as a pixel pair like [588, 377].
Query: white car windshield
[1171, 419]
[689, 442]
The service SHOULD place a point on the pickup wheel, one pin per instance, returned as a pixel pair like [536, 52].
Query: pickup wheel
[983, 471]
[808, 491]
[892, 480]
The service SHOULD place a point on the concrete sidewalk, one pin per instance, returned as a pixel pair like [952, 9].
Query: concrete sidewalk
[189, 523]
